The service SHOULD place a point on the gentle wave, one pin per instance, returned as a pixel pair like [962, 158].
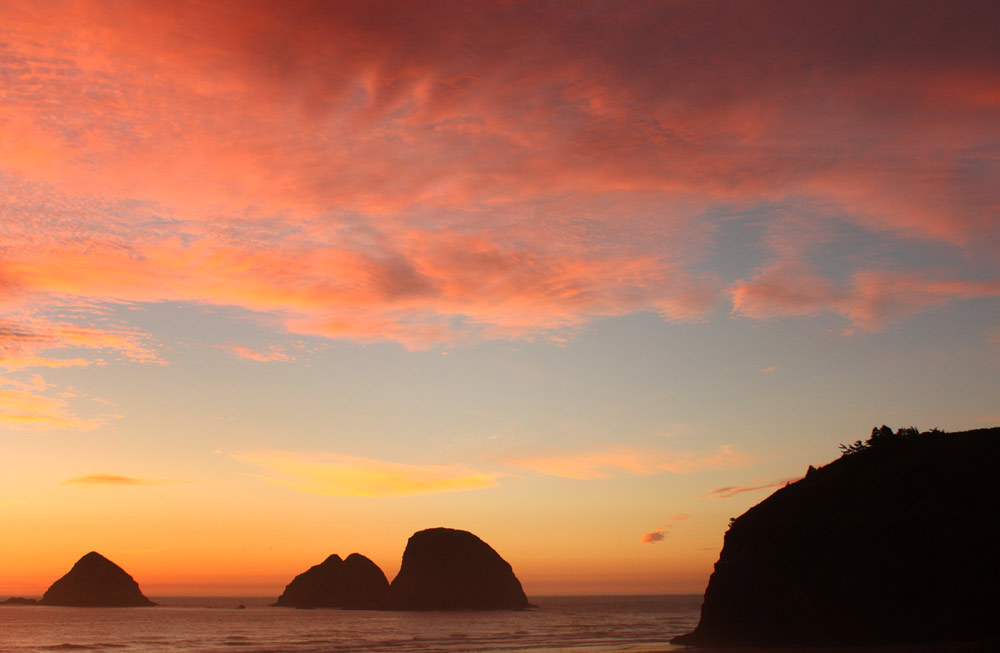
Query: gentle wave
[199, 625]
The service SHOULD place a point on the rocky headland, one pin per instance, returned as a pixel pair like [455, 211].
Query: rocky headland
[894, 542]
[356, 583]
[95, 581]
[448, 569]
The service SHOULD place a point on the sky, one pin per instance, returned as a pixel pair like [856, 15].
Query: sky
[588, 279]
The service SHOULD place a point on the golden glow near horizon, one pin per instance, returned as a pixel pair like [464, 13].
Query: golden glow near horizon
[587, 280]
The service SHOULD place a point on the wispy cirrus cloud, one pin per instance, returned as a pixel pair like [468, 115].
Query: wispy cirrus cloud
[28, 341]
[731, 491]
[873, 299]
[609, 462]
[273, 354]
[113, 480]
[338, 475]
[33, 342]
[29, 409]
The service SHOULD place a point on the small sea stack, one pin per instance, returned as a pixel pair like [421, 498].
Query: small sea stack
[94, 581]
[448, 569]
[19, 600]
[356, 583]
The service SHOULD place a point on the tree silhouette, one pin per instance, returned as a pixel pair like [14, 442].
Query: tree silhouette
[883, 435]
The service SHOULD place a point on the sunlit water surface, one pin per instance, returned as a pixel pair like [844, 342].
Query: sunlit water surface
[200, 624]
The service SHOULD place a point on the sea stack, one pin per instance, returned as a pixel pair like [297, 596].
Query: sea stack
[94, 581]
[447, 569]
[356, 583]
[895, 542]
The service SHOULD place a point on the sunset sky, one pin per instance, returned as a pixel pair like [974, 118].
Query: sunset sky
[286, 279]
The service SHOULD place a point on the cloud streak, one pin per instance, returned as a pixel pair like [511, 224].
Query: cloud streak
[112, 480]
[28, 409]
[660, 534]
[273, 354]
[610, 462]
[350, 476]
[873, 300]
[731, 491]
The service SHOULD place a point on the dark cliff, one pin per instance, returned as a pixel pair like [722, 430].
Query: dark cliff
[356, 583]
[95, 581]
[896, 541]
[447, 569]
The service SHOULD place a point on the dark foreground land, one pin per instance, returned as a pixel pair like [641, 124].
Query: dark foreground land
[961, 647]
[892, 547]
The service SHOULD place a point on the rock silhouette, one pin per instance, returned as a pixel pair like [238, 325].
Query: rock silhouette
[19, 600]
[95, 581]
[894, 542]
[356, 583]
[447, 569]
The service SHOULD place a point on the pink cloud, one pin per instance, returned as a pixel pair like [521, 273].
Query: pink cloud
[272, 355]
[609, 462]
[25, 340]
[422, 174]
[112, 480]
[873, 300]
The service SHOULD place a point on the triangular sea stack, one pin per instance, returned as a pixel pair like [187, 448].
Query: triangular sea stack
[447, 569]
[356, 583]
[95, 581]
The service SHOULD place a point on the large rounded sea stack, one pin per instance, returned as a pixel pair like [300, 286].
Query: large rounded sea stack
[447, 569]
[894, 543]
[93, 582]
[356, 583]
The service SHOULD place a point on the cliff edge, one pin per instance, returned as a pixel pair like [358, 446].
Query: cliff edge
[896, 541]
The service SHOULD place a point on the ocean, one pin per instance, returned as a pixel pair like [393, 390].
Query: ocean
[213, 624]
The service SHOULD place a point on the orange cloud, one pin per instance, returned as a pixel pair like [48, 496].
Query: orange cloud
[338, 475]
[34, 384]
[29, 410]
[654, 536]
[616, 461]
[659, 534]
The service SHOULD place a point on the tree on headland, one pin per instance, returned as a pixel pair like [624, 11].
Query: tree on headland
[883, 435]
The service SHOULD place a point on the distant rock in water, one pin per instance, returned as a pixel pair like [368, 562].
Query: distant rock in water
[19, 600]
[447, 569]
[895, 542]
[95, 581]
[356, 583]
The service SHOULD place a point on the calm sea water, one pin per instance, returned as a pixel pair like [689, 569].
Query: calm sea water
[200, 624]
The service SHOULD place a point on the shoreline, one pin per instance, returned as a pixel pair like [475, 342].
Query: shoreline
[934, 647]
